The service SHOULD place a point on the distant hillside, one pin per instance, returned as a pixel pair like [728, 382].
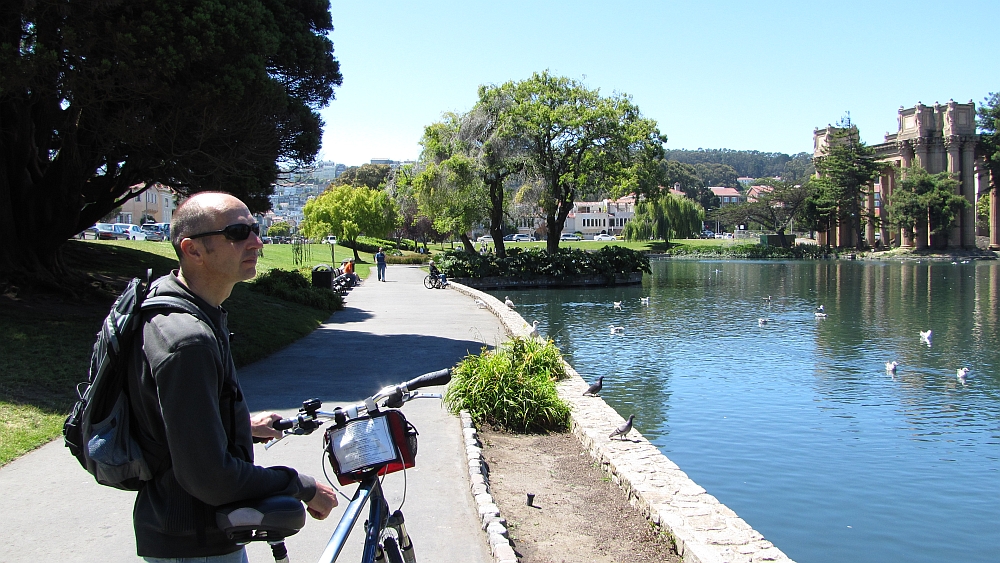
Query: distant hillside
[754, 164]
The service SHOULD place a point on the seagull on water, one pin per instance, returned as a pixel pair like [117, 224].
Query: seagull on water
[762, 321]
[508, 302]
[618, 305]
[624, 428]
[890, 367]
[534, 329]
[644, 300]
[766, 299]
[961, 374]
[617, 329]
[925, 336]
[595, 387]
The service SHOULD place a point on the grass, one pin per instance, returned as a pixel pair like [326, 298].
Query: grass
[511, 388]
[47, 340]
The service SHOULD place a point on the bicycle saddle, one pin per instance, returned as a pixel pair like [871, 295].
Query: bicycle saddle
[265, 519]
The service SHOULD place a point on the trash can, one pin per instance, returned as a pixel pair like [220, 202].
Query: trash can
[322, 276]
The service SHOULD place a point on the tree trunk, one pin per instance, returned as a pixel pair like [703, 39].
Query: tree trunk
[469, 247]
[781, 238]
[496, 215]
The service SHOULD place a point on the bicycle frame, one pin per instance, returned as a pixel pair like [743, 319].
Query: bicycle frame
[378, 515]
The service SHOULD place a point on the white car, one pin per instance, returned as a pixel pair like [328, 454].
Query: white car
[485, 238]
[131, 232]
[569, 236]
[523, 238]
[329, 239]
[602, 236]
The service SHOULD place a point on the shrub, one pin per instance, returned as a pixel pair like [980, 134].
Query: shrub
[411, 259]
[534, 262]
[511, 388]
[293, 286]
[755, 251]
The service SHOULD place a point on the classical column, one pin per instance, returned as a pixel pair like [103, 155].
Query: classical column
[906, 156]
[968, 180]
[984, 184]
[920, 229]
[883, 215]
[870, 212]
[953, 145]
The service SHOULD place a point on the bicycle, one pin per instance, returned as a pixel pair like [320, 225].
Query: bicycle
[368, 440]
[433, 282]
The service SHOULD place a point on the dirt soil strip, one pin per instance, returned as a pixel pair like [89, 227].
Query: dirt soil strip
[578, 514]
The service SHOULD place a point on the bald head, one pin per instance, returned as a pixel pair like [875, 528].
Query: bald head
[200, 213]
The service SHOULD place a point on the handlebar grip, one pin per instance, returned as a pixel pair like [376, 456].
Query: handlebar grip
[428, 379]
[283, 424]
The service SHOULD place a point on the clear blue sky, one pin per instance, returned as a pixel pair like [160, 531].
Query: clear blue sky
[715, 74]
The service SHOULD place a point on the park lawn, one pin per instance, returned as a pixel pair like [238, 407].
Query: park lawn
[48, 340]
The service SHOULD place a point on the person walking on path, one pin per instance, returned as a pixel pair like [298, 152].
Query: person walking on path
[380, 263]
[187, 402]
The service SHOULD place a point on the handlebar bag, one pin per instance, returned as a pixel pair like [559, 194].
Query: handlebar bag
[379, 444]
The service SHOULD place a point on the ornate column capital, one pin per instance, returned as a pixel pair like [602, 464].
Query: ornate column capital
[953, 142]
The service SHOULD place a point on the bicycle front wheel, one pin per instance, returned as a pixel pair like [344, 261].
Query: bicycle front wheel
[391, 550]
[429, 282]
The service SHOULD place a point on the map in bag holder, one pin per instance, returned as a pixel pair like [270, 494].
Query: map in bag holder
[386, 442]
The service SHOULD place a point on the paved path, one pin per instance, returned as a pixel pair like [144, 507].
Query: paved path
[390, 332]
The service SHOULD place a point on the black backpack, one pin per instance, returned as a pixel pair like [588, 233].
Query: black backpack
[97, 431]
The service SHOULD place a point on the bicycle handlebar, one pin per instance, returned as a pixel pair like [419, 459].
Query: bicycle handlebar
[392, 396]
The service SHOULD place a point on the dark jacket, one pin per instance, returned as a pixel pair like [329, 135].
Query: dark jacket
[194, 428]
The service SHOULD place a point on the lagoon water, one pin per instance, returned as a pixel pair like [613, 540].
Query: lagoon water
[795, 424]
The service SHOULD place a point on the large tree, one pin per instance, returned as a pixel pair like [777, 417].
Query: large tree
[577, 139]
[102, 98]
[663, 217]
[348, 212]
[369, 175]
[846, 171]
[929, 199]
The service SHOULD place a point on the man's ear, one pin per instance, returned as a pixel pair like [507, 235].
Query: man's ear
[192, 251]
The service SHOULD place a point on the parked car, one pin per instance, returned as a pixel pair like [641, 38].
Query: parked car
[329, 239]
[570, 236]
[153, 233]
[523, 238]
[107, 231]
[131, 232]
[265, 240]
[707, 234]
[603, 236]
[510, 238]
[485, 238]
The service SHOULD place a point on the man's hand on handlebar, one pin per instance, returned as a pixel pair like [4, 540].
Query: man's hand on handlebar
[261, 426]
[323, 502]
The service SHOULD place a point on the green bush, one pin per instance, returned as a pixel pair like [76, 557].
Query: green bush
[372, 244]
[511, 388]
[755, 251]
[293, 286]
[530, 263]
[411, 259]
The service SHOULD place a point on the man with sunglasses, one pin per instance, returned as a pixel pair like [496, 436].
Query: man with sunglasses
[193, 423]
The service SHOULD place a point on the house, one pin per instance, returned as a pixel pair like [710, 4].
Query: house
[728, 196]
[605, 216]
[755, 191]
[156, 204]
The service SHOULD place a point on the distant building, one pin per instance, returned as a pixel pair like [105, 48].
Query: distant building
[755, 191]
[745, 180]
[606, 216]
[157, 202]
[728, 196]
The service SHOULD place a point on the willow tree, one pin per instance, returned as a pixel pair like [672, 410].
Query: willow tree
[664, 217]
[576, 140]
[99, 99]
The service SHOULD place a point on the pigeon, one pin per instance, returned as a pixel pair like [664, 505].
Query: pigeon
[644, 300]
[623, 429]
[962, 373]
[534, 330]
[890, 367]
[618, 305]
[508, 302]
[617, 329]
[480, 303]
[595, 388]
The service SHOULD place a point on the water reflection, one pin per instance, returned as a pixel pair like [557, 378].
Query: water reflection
[795, 424]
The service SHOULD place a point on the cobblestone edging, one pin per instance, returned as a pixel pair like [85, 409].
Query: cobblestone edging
[703, 529]
[489, 513]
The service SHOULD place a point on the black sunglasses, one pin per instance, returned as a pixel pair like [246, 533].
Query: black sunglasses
[239, 231]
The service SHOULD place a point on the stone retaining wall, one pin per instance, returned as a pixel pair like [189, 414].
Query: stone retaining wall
[703, 529]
